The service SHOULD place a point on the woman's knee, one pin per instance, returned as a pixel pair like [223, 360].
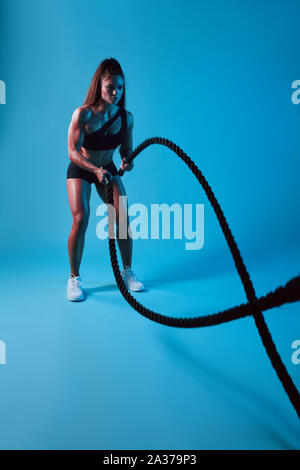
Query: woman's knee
[121, 210]
[122, 224]
[81, 220]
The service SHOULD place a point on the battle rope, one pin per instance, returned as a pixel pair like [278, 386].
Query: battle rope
[288, 293]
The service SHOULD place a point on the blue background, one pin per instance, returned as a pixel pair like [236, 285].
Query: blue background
[215, 78]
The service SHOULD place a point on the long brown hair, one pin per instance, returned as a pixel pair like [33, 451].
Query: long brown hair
[107, 67]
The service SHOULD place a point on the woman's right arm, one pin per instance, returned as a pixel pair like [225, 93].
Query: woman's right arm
[75, 139]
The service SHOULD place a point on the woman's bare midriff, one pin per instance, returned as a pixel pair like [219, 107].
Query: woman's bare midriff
[98, 157]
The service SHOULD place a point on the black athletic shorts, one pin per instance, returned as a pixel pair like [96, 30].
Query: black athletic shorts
[74, 171]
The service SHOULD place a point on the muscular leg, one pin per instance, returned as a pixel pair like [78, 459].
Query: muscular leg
[79, 193]
[125, 245]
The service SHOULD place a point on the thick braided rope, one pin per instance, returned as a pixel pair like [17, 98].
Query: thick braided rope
[288, 293]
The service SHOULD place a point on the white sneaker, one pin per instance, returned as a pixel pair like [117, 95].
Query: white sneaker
[131, 281]
[74, 290]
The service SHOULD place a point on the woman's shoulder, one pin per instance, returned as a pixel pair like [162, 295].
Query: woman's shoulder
[86, 109]
[129, 118]
[83, 110]
[82, 114]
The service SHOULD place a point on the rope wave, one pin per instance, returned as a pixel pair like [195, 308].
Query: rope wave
[290, 292]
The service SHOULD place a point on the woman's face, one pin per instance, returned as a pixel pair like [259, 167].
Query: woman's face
[112, 88]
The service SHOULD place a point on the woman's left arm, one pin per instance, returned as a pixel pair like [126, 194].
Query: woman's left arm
[126, 146]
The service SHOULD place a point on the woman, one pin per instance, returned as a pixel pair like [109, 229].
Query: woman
[97, 128]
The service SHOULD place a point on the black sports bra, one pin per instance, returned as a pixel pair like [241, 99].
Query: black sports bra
[99, 141]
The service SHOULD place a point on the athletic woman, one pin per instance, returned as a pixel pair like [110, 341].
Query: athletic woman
[97, 128]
